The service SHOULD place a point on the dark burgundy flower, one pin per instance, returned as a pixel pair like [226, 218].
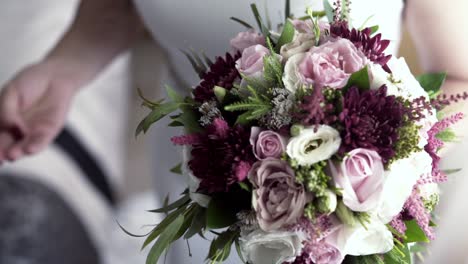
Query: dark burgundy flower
[221, 156]
[221, 73]
[373, 47]
[371, 120]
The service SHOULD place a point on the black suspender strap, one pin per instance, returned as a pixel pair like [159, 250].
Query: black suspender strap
[86, 162]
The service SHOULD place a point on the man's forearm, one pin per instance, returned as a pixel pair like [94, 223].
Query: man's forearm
[102, 29]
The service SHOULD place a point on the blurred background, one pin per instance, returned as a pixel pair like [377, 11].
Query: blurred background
[27, 33]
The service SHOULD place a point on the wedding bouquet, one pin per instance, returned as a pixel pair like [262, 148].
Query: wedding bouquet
[306, 145]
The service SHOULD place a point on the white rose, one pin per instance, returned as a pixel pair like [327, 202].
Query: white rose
[291, 77]
[192, 181]
[260, 247]
[400, 181]
[314, 144]
[374, 238]
[302, 42]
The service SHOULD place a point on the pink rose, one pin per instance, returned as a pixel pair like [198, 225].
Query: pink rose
[330, 64]
[361, 176]
[277, 198]
[306, 26]
[251, 62]
[325, 253]
[267, 144]
[247, 39]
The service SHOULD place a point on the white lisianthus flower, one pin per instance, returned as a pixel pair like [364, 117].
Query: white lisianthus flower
[261, 247]
[400, 180]
[302, 43]
[192, 181]
[401, 82]
[314, 144]
[374, 238]
[430, 194]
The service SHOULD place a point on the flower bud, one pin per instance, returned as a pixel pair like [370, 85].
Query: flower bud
[328, 203]
[345, 214]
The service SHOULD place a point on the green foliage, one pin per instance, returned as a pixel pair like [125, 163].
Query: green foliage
[328, 10]
[414, 233]
[286, 36]
[315, 22]
[273, 71]
[220, 248]
[447, 135]
[374, 29]
[263, 28]
[398, 255]
[154, 116]
[177, 169]
[242, 22]
[184, 200]
[164, 240]
[287, 9]
[198, 223]
[219, 216]
[160, 109]
[432, 83]
[370, 259]
[408, 142]
[359, 79]
[314, 177]
[255, 106]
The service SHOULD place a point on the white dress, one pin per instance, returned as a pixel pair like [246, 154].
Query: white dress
[204, 25]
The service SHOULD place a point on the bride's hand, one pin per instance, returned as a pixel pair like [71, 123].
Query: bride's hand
[33, 107]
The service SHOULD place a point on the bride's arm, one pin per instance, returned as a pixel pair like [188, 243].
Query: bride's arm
[34, 104]
[440, 32]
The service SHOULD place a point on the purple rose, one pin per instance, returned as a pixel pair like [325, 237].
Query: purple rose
[277, 198]
[306, 26]
[330, 64]
[361, 176]
[267, 144]
[251, 62]
[247, 39]
[325, 253]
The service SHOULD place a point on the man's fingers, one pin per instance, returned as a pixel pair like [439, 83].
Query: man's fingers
[6, 141]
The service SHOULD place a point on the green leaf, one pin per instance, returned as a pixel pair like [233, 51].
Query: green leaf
[398, 255]
[245, 186]
[175, 205]
[242, 22]
[452, 171]
[286, 36]
[157, 114]
[414, 233]
[219, 216]
[265, 31]
[173, 95]
[447, 135]
[287, 10]
[273, 71]
[164, 240]
[239, 251]
[189, 118]
[161, 227]
[432, 83]
[177, 169]
[328, 10]
[220, 93]
[374, 29]
[220, 248]
[198, 223]
[359, 79]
